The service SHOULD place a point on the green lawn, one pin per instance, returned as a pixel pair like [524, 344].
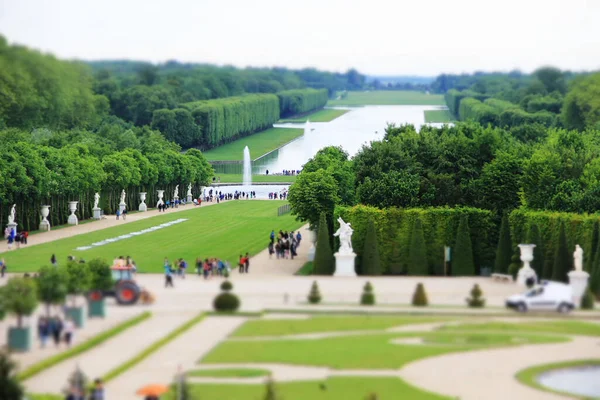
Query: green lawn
[259, 144]
[325, 115]
[225, 231]
[389, 97]
[337, 388]
[438, 116]
[330, 323]
[237, 178]
[373, 351]
[557, 327]
[230, 373]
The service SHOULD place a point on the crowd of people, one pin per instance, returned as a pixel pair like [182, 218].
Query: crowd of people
[55, 328]
[207, 267]
[278, 196]
[286, 172]
[284, 244]
[13, 237]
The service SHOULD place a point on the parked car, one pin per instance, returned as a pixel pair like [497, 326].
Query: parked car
[546, 296]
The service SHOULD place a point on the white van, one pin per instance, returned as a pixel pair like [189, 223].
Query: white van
[544, 297]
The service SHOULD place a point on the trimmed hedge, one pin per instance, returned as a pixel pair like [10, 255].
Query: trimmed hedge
[440, 224]
[368, 297]
[227, 302]
[301, 101]
[153, 348]
[314, 296]
[83, 347]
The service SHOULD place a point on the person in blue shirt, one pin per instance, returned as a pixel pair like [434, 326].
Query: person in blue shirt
[298, 239]
[272, 236]
[168, 273]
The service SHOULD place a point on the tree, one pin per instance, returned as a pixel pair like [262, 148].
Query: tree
[462, 264]
[10, 388]
[563, 262]
[100, 275]
[78, 279]
[476, 300]
[19, 297]
[534, 237]
[581, 108]
[417, 252]
[51, 286]
[593, 250]
[313, 194]
[77, 383]
[370, 261]
[324, 263]
[504, 250]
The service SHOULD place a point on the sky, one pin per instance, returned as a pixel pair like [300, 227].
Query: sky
[377, 37]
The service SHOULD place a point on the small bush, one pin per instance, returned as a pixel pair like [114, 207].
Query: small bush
[226, 286]
[587, 301]
[314, 297]
[227, 302]
[226, 274]
[420, 297]
[513, 269]
[476, 300]
[368, 297]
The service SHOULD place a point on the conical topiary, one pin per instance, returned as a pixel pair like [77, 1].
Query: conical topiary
[368, 297]
[314, 296]
[588, 299]
[323, 263]
[563, 262]
[591, 254]
[396, 260]
[476, 300]
[371, 265]
[504, 249]
[548, 264]
[515, 263]
[417, 252]
[534, 237]
[594, 281]
[419, 297]
[462, 263]
[78, 382]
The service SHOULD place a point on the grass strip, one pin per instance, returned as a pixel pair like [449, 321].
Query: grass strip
[153, 348]
[256, 314]
[229, 373]
[306, 269]
[83, 347]
[529, 376]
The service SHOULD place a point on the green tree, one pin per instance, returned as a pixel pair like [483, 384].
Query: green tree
[100, 275]
[10, 388]
[396, 262]
[534, 237]
[78, 279]
[324, 263]
[462, 263]
[581, 108]
[370, 261]
[593, 250]
[312, 194]
[417, 252]
[51, 286]
[504, 249]
[563, 262]
[19, 297]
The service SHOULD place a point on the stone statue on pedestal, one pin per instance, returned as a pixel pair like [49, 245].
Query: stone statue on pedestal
[189, 192]
[96, 199]
[345, 234]
[11, 216]
[578, 258]
[176, 193]
[122, 197]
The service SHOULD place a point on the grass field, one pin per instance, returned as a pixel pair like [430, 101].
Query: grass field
[338, 388]
[439, 116]
[389, 97]
[557, 327]
[223, 231]
[260, 144]
[237, 178]
[325, 115]
[363, 351]
[330, 323]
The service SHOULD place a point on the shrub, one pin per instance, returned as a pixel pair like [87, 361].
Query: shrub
[587, 301]
[515, 265]
[100, 275]
[371, 264]
[51, 286]
[533, 237]
[19, 297]
[314, 296]
[476, 300]
[594, 284]
[462, 264]
[563, 262]
[10, 388]
[226, 286]
[323, 263]
[419, 297]
[226, 274]
[418, 251]
[504, 250]
[368, 297]
[77, 380]
[226, 301]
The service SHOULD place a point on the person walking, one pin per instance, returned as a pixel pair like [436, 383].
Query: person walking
[168, 274]
[43, 331]
[97, 392]
[69, 332]
[2, 267]
[118, 214]
[56, 328]
[246, 263]
[124, 214]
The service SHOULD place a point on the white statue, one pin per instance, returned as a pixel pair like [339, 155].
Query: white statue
[345, 234]
[96, 200]
[189, 193]
[176, 193]
[122, 197]
[11, 216]
[578, 258]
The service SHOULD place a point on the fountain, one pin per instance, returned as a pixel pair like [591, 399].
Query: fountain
[247, 177]
[307, 144]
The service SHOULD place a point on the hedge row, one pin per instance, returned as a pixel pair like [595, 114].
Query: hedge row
[453, 98]
[440, 225]
[498, 112]
[300, 101]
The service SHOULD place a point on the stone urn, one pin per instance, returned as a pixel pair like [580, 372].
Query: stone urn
[72, 220]
[161, 194]
[526, 272]
[45, 224]
[143, 206]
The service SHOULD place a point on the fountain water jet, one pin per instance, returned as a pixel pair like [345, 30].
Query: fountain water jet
[307, 144]
[247, 177]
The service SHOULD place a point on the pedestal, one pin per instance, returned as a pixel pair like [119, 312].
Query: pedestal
[143, 207]
[72, 220]
[578, 281]
[344, 264]
[97, 213]
[122, 207]
[44, 226]
[524, 274]
[12, 226]
[189, 199]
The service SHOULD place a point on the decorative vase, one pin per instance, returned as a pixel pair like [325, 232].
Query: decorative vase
[161, 194]
[45, 224]
[72, 220]
[143, 206]
[526, 272]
